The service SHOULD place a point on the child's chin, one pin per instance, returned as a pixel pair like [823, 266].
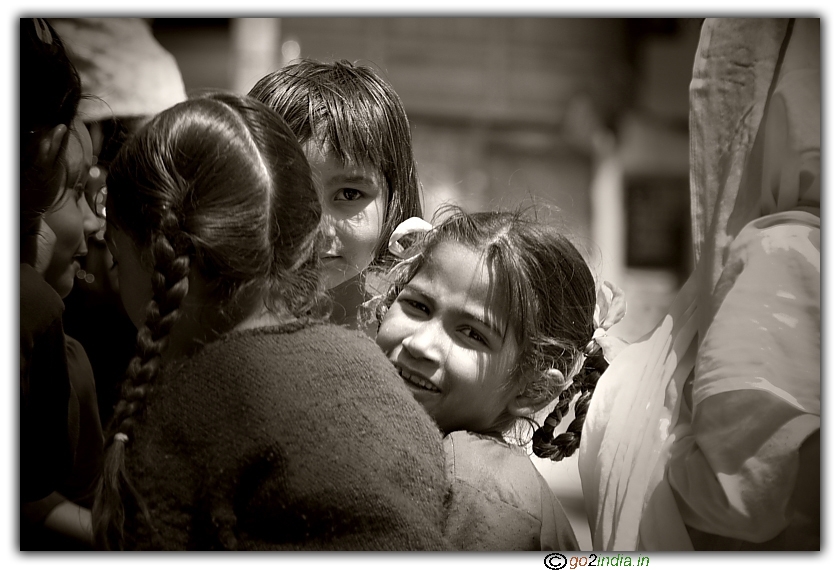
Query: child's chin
[64, 284]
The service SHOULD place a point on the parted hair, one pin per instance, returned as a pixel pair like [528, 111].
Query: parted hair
[550, 295]
[217, 185]
[358, 116]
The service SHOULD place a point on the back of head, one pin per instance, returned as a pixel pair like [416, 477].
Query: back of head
[216, 186]
[356, 115]
[222, 181]
[127, 77]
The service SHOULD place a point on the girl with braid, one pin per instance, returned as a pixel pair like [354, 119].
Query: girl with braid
[489, 319]
[245, 423]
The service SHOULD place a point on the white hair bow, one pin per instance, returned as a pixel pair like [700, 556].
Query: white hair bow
[407, 227]
[610, 308]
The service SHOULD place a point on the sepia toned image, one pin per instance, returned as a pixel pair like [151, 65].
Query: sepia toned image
[421, 283]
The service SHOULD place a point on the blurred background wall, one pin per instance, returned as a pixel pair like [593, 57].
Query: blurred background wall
[587, 118]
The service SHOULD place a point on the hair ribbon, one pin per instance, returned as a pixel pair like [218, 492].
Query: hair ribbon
[409, 227]
[610, 308]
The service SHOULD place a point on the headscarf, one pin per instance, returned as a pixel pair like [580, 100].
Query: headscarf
[124, 70]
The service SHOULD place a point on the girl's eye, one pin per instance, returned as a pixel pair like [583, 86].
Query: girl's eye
[472, 334]
[348, 194]
[416, 305]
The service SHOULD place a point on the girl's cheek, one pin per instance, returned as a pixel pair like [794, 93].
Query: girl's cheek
[391, 332]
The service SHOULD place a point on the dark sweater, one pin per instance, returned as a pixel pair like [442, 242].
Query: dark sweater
[79, 486]
[292, 437]
[46, 447]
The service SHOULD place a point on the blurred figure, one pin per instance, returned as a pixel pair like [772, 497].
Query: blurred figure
[127, 77]
[61, 436]
[705, 434]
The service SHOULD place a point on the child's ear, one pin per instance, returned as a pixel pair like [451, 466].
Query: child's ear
[524, 405]
[51, 144]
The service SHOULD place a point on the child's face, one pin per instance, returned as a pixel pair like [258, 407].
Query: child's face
[354, 199]
[70, 218]
[446, 337]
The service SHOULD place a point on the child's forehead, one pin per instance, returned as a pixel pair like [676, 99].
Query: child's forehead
[350, 144]
[328, 149]
[472, 268]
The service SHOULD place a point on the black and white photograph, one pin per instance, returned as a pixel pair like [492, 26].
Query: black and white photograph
[480, 282]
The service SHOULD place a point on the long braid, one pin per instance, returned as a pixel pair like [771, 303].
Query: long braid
[219, 186]
[584, 383]
[170, 285]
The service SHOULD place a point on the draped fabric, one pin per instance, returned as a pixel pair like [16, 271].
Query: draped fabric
[124, 70]
[698, 426]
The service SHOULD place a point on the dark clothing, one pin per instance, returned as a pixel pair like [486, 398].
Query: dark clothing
[296, 437]
[46, 451]
[61, 435]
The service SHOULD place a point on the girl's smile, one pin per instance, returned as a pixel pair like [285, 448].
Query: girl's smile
[416, 381]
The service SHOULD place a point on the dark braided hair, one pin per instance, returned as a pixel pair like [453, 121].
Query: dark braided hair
[564, 445]
[357, 115]
[546, 284]
[217, 185]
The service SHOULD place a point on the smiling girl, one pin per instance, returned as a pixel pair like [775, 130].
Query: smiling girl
[490, 321]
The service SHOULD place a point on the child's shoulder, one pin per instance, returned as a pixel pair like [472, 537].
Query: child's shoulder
[487, 475]
[472, 442]
[40, 305]
[305, 348]
[491, 464]
[307, 332]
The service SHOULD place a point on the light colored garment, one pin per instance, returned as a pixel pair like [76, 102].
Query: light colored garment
[699, 425]
[122, 65]
[498, 500]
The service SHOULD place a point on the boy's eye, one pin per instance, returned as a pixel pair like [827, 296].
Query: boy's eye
[348, 194]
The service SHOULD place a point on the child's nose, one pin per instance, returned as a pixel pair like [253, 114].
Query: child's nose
[426, 342]
[91, 223]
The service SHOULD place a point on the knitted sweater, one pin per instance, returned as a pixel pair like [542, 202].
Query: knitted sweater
[297, 437]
